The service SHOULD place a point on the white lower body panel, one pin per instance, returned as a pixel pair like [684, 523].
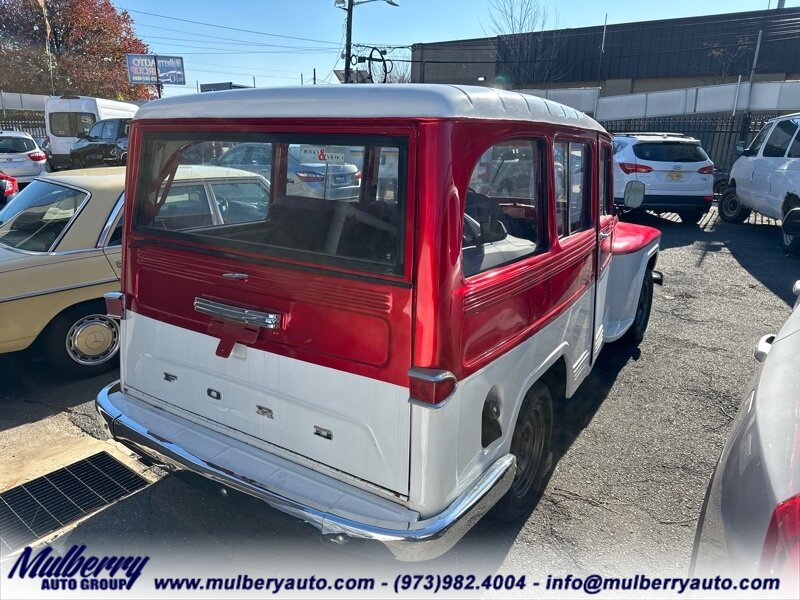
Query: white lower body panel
[273, 402]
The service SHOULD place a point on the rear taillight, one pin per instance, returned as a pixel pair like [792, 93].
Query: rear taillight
[709, 170]
[8, 185]
[781, 553]
[430, 386]
[310, 176]
[37, 156]
[115, 304]
[357, 176]
[629, 168]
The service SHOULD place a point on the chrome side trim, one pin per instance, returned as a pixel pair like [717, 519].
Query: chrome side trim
[419, 540]
[238, 314]
[102, 241]
[57, 290]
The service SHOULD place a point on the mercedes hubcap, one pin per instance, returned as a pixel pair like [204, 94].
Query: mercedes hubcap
[93, 340]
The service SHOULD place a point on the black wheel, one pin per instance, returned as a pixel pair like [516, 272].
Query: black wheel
[791, 243]
[83, 341]
[635, 333]
[694, 215]
[531, 444]
[730, 209]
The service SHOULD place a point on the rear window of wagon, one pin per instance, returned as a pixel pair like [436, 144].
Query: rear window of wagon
[670, 152]
[326, 200]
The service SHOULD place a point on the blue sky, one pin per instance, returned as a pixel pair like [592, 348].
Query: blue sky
[276, 41]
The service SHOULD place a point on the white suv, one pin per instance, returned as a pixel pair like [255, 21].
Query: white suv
[766, 177]
[677, 174]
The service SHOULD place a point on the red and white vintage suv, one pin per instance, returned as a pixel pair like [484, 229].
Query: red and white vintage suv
[377, 342]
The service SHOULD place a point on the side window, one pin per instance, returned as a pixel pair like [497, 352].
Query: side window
[116, 234]
[758, 141]
[794, 147]
[605, 180]
[779, 139]
[110, 130]
[504, 206]
[96, 132]
[572, 169]
[185, 207]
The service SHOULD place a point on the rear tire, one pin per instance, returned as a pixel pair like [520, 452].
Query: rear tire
[791, 243]
[83, 341]
[635, 333]
[531, 444]
[730, 209]
[694, 215]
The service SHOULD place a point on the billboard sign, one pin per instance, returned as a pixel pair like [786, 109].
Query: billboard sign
[142, 69]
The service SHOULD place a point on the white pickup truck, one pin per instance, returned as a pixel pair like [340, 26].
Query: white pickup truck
[766, 177]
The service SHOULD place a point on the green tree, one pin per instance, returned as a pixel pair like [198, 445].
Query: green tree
[68, 47]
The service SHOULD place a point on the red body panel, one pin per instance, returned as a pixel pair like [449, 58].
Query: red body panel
[380, 325]
[630, 237]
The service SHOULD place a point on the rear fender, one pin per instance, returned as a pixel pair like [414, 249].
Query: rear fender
[634, 251]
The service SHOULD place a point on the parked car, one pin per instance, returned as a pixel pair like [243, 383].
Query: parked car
[20, 157]
[334, 179]
[676, 171]
[44, 146]
[8, 188]
[67, 117]
[750, 520]
[60, 252]
[105, 144]
[766, 177]
[354, 362]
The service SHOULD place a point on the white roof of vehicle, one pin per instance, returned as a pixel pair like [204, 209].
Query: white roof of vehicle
[15, 133]
[368, 101]
[658, 137]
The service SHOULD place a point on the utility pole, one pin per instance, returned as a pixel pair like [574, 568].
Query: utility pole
[348, 44]
[348, 41]
[315, 76]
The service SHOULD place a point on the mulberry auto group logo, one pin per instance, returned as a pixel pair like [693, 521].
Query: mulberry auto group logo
[77, 570]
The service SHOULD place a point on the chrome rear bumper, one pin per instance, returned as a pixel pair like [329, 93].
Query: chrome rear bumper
[407, 540]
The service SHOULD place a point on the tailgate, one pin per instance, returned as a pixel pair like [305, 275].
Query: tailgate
[321, 387]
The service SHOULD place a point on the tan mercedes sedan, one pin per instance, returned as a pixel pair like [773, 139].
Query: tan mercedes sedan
[60, 251]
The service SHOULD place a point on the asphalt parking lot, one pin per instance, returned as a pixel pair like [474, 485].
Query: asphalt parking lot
[634, 451]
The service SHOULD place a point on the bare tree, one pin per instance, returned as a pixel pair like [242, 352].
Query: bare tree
[399, 70]
[727, 57]
[526, 52]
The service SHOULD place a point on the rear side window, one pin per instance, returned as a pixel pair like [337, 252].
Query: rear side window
[13, 144]
[794, 147]
[39, 215]
[69, 124]
[779, 139]
[670, 152]
[333, 200]
[572, 168]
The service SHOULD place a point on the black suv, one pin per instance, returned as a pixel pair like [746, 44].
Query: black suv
[105, 144]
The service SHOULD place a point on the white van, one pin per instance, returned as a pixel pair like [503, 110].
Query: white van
[68, 116]
[766, 177]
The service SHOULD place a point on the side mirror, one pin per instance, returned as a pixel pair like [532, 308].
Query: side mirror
[791, 222]
[739, 148]
[634, 195]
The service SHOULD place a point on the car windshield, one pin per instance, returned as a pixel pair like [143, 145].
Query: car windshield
[335, 201]
[13, 144]
[670, 152]
[36, 218]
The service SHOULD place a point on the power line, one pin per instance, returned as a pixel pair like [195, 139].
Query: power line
[286, 37]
